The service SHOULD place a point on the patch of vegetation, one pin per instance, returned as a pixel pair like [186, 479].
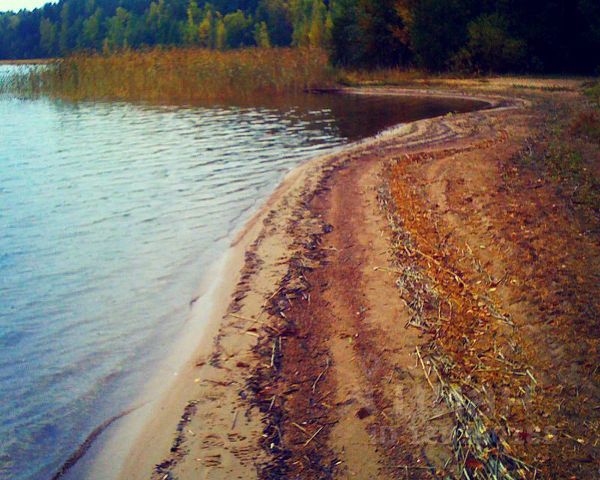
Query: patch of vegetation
[567, 154]
[543, 88]
[178, 75]
[586, 124]
[378, 77]
[592, 91]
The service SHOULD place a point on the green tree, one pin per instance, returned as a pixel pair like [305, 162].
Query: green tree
[328, 27]
[439, 30]
[91, 35]
[277, 18]
[316, 33]
[117, 29]
[161, 25]
[194, 15]
[261, 35]
[309, 19]
[64, 43]
[365, 34]
[220, 34]
[135, 33]
[206, 29]
[48, 37]
[381, 23]
[346, 48]
[300, 12]
[490, 47]
[238, 29]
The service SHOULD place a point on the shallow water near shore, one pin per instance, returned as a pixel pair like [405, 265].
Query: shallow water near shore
[111, 215]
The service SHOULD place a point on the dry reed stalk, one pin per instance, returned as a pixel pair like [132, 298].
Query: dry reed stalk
[179, 75]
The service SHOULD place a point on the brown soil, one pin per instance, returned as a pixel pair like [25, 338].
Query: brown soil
[418, 306]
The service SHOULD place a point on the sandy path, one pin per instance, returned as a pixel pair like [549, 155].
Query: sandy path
[383, 399]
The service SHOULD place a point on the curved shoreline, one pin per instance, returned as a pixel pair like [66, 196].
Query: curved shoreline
[105, 451]
[303, 180]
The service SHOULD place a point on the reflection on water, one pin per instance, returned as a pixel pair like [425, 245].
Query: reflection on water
[110, 214]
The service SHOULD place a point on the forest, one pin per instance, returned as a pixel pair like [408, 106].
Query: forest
[534, 36]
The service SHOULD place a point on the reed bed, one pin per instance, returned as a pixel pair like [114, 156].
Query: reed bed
[179, 75]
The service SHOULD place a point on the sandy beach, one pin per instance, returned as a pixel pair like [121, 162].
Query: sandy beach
[406, 307]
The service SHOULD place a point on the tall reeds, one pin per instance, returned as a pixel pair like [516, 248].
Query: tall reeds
[180, 75]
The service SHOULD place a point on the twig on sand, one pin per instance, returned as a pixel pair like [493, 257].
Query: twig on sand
[413, 467]
[301, 428]
[274, 350]
[440, 415]
[320, 375]
[425, 370]
[314, 435]
[248, 319]
[439, 264]
[241, 317]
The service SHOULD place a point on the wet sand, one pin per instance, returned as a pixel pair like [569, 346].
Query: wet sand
[324, 354]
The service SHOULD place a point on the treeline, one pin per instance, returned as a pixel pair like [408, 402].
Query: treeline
[58, 29]
[465, 35]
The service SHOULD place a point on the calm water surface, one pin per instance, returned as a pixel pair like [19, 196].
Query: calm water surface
[110, 216]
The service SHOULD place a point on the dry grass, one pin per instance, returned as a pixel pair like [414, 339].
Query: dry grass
[180, 75]
[592, 90]
[503, 84]
[464, 321]
[387, 76]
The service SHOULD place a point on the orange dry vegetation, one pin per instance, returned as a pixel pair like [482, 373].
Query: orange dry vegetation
[490, 333]
[471, 337]
[183, 74]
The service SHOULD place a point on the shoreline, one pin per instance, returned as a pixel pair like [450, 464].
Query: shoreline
[111, 444]
[155, 394]
[208, 310]
[168, 411]
[308, 378]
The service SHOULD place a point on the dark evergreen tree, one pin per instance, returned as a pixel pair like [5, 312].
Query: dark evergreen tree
[369, 33]
[347, 49]
[276, 16]
[439, 30]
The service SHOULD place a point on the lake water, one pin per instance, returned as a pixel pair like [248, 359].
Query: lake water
[111, 215]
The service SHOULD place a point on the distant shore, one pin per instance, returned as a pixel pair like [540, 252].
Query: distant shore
[315, 363]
